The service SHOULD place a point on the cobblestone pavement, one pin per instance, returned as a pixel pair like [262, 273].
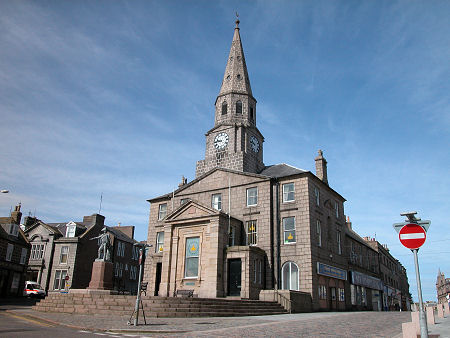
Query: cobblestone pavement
[318, 324]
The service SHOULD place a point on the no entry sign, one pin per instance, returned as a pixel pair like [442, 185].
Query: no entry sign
[412, 236]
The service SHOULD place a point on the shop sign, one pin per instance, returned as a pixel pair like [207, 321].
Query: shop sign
[370, 282]
[331, 271]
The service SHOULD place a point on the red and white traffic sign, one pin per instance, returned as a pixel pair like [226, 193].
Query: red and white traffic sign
[412, 236]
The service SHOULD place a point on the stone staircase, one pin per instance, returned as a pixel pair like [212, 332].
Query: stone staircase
[121, 305]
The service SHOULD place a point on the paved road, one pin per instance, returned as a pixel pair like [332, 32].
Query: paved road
[20, 321]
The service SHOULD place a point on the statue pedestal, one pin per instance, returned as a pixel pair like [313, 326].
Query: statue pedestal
[102, 275]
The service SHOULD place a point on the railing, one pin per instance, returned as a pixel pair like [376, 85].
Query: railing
[283, 301]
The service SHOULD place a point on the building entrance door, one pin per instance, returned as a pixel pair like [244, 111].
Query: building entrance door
[234, 277]
[158, 277]
[333, 299]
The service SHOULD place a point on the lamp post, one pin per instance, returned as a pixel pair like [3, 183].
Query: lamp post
[142, 248]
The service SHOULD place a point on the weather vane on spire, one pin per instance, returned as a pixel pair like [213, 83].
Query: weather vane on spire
[237, 20]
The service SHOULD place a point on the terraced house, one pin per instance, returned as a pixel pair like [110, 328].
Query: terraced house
[249, 230]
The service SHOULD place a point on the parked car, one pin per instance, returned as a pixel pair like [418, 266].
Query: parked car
[33, 289]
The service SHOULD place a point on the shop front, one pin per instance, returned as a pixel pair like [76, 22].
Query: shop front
[365, 292]
[331, 287]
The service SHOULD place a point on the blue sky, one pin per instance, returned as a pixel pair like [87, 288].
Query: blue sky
[114, 97]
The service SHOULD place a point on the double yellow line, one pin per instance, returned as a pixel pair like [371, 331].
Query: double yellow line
[28, 319]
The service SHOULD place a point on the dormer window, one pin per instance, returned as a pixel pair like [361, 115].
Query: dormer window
[224, 108]
[70, 232]
[13, 229]
[238, 108]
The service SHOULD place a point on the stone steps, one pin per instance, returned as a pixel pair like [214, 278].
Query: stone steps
[156, 306]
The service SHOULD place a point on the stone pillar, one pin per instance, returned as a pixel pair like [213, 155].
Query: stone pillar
[440, 309]
[102, 276]
[430, 315]
[446, 309]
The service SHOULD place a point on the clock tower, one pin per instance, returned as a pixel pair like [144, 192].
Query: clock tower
[234, 142]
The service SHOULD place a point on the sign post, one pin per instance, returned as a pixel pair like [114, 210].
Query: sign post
[412, 235]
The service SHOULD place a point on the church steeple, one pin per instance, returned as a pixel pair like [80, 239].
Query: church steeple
[236, 77]
[234, 142]
[235, 102]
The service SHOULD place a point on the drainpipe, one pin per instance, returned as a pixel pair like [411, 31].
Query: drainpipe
[272, 244]
[277, 206]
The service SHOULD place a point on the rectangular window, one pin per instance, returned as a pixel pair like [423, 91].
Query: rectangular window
[23, 256]
[120, 249]
[120, 269]
[37, 251]
[64, 255]
[160, 241]
[216, 201]
[341, 295]
[192, 255]
[339, 242]
[317, 195]
[252, 233]
[232, 236]
[289, 230]
[288, 192]
[70, 232]
[9, 252]
[135, 253]
[353, 294]
[252, 196]
[336, 209]
[184, 200]
[162, 211]
[322, 292]
[13, 229]
[319, 233]
[132, 272]
[116, 270]
[60, 280]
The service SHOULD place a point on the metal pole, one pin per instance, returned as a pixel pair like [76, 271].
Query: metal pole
[138, 296]
[422, 318]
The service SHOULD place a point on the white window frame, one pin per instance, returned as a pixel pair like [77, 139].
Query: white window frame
[286, 194]
[284, 283]
[322, 292]
[252, 232]
[292, 231]
[120, 248]
[9, 252]
[66, 254]
[162, 211]
[252, 194]
[159, 241]
[60, 276]
[23, 256]
[341, 293]
[216, 201]
[71, 230]
[319, 233]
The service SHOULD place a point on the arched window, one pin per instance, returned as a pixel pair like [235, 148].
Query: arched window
[289, 276]
[239, 107]
[224, 108]
[252, 118]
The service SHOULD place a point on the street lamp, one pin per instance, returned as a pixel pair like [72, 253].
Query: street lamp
[142, 249]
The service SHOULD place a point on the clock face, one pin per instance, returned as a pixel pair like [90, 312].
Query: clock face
[254, 144]
[221, 140]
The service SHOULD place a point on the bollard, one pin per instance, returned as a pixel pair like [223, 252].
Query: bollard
[440, 309]
[446, 309]
[409, 330]
[415, 319]
[430, 315]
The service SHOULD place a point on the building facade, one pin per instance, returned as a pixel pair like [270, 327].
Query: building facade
[14, 253]
[242, 228]
[442, 288]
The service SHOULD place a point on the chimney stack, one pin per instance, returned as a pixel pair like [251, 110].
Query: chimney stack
[321, 167]
[348, 223]
[183, 181]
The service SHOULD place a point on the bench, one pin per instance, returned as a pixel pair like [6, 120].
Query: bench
[185, 293]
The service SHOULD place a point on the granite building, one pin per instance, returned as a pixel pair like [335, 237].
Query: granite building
[249, 230]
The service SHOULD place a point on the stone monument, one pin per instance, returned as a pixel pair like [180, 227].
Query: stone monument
[102, 268]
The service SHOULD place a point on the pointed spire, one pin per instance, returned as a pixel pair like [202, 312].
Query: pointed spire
[236, 78]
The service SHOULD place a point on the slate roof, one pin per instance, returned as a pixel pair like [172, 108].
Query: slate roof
[120, 235]
[281, 170]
